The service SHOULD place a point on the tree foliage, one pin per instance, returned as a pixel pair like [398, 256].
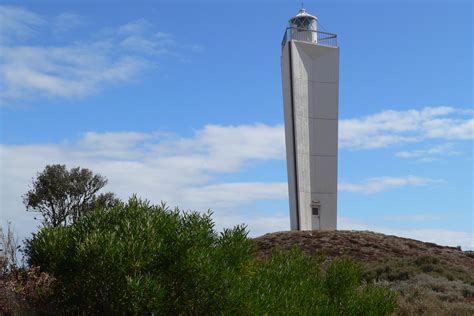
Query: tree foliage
[138, 258]
[62, 195]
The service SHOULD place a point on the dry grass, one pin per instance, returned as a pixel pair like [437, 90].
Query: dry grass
[21, 289]
[424, 294]
[24, 290]
[430, 279]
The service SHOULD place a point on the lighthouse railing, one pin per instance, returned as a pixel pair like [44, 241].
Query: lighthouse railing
[305, 35]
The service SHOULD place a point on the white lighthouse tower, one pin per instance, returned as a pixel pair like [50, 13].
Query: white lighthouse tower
[310, 73]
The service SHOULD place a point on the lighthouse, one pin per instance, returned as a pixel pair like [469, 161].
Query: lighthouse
[310, 76]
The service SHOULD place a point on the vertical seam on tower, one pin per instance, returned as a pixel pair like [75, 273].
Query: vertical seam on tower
[294, 135]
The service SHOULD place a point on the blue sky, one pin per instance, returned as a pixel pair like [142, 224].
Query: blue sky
[181, 101]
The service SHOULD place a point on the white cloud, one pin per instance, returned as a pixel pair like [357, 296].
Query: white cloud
[258, 225]
[141, 36]
[139, 26]
[378, 184]
[75, 68]
[73, 71]
[157, 166]
[429, 153]
[390, 127]
[226, 195]
[448, 128]
[439, 236]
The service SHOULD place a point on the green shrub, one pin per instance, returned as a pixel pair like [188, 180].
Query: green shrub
[137, 258]
[292, 283]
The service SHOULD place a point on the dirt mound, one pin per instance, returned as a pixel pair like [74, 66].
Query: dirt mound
[363, 246]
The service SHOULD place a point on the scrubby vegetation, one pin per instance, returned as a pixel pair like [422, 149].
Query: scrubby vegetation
[137, 258]
[426, 285]
[20, 288]
[429, 279]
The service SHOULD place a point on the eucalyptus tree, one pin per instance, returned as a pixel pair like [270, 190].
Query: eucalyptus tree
[62, 195]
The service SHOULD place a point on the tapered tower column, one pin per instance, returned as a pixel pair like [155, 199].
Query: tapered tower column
[310, 75]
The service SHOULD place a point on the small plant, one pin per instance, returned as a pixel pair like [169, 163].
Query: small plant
[423, 260]
[8, 249]
[469, 253]
[21, 288]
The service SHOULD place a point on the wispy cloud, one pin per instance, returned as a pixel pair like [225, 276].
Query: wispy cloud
[378, 184]
[431, 153]
[77, 68]
[390, 127]
[141, 36]
[72, 71]
[139, 26]
[65, 22]
[18, 23]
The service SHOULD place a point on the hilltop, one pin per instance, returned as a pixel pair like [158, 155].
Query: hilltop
[431, 279]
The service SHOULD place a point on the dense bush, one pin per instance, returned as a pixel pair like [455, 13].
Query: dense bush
[138, 258]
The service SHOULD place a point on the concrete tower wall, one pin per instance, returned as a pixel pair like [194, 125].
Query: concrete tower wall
[289, 136]
[310, 75]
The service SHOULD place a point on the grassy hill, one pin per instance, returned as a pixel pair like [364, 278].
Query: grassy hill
[430, 279]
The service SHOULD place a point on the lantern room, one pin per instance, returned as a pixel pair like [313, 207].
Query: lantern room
[303, 27]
